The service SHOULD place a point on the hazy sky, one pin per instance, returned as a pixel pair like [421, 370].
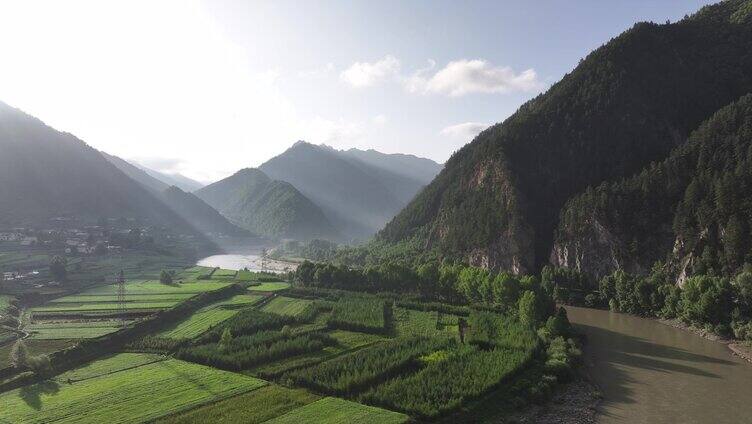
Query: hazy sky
[207, 88]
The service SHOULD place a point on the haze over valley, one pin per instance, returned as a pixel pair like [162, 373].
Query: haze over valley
[392, 212]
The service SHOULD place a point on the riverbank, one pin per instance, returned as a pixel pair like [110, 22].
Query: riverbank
[736, 347]
[573, 403]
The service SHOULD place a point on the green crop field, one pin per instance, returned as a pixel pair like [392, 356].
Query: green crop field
[101, 306]
[224, 274]
[286, 305]
[243, 299]
[409, 322]
[142, 295]
[339, 411]
[72, 330]
[208, 316]
[253, 407]
[130, 297]
[131, 395]
[155, 287]
[270, 287]
[109, 365]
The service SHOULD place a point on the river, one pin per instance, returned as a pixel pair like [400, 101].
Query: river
[649, 372]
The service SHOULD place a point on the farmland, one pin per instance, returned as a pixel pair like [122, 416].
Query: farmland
[207, 317]
[288, 355]
[270, 286]
[268, 402]
[286, 306]
[119, 392]
[339, 411]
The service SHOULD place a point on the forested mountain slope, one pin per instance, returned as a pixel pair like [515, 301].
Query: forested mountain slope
[253, 201]
[45, 173]
[692, 210]
[358, 191]
[200, 214]
[497, 201]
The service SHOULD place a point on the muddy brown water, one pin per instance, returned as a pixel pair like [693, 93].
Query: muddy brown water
[649, 372]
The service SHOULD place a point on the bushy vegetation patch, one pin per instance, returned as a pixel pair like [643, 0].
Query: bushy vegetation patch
[348, 374]
[442, 385]
[247, 351]
[246, 322]
[359, 314]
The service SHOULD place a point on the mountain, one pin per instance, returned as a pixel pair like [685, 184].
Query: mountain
[259, 204]
[359, 191]
[692, 210]
[200, 214]
[178, 180]
[497, 201]
[137, 174]
[45, 174]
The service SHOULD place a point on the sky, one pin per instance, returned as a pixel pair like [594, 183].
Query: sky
[206, 88]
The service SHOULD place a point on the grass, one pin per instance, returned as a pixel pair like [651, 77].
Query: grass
[155, 287]
[339, 411]
[270, 286]
[132, 395]
[286, 305]
[207, 317]
[36, 347]
[253, 407]
[104, 306]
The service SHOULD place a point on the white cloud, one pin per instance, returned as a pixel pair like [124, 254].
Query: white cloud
[462, 77]
[365, 74]
[379, 119]
[465, 130]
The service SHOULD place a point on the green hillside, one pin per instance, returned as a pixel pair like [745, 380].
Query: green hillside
[497, 201]
[693, 210]
[198, 213]
[47, 174]
[359, 191]
[264, 206]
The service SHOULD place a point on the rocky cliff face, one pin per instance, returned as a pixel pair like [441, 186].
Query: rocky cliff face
[498, 200]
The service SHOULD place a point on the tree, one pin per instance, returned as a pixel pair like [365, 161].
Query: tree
[19, 354]
[165, 277]
[58, 268]
[41, 365]
[527, 306]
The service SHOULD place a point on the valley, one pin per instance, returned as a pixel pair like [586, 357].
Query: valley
[497, 213]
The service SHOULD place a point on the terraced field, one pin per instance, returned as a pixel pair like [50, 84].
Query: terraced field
[209, 316]
[267, 402]
[270, 286]
[286, 306]
[72, 330]
[140, 295]
[339, 411]
[114, 391]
